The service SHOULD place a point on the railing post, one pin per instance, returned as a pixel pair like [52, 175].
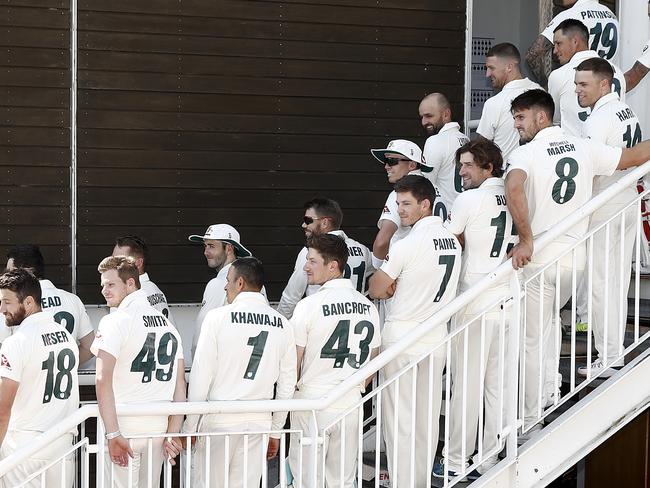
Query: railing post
[313, 451]
[512, 367]
[101, 453]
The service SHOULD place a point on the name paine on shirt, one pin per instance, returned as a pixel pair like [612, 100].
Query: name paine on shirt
[256, 319]
[444, 244]
[345, 308]
[557, 148]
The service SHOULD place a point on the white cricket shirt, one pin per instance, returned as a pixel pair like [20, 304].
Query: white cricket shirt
[496, 122]
[560, 171]
[481, 215]
[338, 327]
[155, 296]
[602, 24]
[358, 270]
[426, 265]
[612, 122]
[147, 348]
[245, 349]
[66, 308]
[440, 153]
[214, 296]
[42, 356]
[562, 87]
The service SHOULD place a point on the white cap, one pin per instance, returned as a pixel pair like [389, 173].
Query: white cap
[226, 233]
[409, 150]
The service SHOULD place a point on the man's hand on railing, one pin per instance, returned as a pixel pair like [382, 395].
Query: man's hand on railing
[120, 451]
[173, 447]
[521, 254]
[274, 447]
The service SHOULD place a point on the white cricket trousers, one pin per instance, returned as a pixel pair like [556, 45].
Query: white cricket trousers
[146, 464]
[492, 403]
[412, 438]
[542, 330]
[609, 292]
[239, 457]
[340, 443]
[16, 440]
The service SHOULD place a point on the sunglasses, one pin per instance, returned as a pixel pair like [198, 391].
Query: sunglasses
[394, 162]
[310, 220]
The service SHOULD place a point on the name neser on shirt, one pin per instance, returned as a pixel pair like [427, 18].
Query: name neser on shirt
[52, 338]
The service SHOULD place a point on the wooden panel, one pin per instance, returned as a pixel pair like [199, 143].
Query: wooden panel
[199, 112]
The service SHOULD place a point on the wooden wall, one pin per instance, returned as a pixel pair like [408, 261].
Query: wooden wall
[198, 112]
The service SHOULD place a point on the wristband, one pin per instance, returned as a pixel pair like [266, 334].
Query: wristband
[645, 57]
[112, 435]
[376, 262]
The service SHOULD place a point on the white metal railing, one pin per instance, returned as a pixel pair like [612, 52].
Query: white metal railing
[323, 419]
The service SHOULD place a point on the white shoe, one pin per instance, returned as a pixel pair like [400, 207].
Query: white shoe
[598, 368]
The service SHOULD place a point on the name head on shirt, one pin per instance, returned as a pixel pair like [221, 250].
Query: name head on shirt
[256, 319]
[444, 243]
[345, 308]
[557, 148]
[154, 321]
[52, 338]
[47, 302]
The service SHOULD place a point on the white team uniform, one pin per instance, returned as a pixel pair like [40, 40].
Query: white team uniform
[426, 266]
[245, 349]
[440, 154]
[496, 122]
[602, 24]
[155, 296]
[481, 215]
[214, 296]
[561, 86]
[338, 327]
[147, 348]
[358, 270]
[560, 171]
[43, 358]
[611, 122]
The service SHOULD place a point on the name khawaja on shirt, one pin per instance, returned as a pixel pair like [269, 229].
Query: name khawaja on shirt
[256, 319]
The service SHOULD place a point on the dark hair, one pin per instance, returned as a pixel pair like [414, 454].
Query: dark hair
[251, 270]
[124, 265]
[599, 67]
[137, 245]
[326, 207]
[573, 28]
[504, 50]
[536, 98]
[29, 257]
[420, 187]
[485, 153]
[331, 247]
[23, 283]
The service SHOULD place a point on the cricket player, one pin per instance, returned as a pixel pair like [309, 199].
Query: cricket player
[39, 386]
[221, 246]
[549, 177]
[324, 216]
[337, 332]
[139, 360]
[571, 48]
[246, 349]
[614, 123]
[481, 222]
[66, 308]
[421, 274]
[602, 25]
[440, 147]
[502, 68]
[137, 248]
[400, 158]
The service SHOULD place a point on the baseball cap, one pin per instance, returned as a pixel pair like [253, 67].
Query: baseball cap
[410, 150]
[225, 233]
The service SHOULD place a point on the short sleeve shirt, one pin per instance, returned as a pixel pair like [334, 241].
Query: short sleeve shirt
[42, 356]
[67, 310]
[440, 153]
[146, 347]
[155, 296]
[338, 327]
[560, 170]
[601, 22]
[496, 122]
[561, 86]
[214, 296]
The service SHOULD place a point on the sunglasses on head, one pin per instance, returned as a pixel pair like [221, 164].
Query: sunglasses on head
[394, 162]
[310, 220]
